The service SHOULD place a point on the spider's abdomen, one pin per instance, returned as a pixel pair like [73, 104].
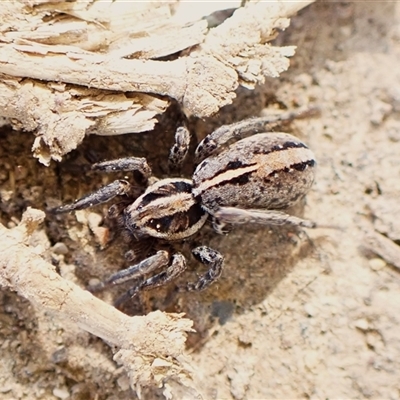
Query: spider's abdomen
[267, 170]
[166, 210]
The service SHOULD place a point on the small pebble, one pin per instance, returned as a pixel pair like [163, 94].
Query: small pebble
[362, 324]
[377, 264]
[93, 282]
[310, 310]
[61, 393]
[59, 356]
[123, 383]
[6, 388]
[311, 359]
[94, 219]
[60, 248]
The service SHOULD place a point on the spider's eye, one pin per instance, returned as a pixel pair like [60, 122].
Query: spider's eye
[154, 225]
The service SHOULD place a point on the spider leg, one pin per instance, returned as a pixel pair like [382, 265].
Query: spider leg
[177, 266]
[238, 216]
[100, 196]
[246, 127]
[146, 266]
[214, 261]
[219, 226]
[127, 164]
[180, 149]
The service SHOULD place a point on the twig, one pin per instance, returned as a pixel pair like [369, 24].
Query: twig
[157, 336]
[382, 246]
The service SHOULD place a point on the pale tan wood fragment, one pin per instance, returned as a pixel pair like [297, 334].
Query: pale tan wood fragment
[382, 246]
[61, 115]
[141, 341]
[113, 46]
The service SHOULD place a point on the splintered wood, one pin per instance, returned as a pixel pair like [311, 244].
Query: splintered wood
[141, 342]
[68, 69]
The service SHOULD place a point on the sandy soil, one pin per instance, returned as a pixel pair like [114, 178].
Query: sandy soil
[296, 314]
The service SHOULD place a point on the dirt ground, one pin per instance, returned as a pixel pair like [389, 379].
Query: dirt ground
[296, 314]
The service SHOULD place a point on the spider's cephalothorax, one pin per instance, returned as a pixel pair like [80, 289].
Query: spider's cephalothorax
[167, 210]
[245, 182]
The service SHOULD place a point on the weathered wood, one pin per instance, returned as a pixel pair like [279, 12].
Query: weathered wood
[73, 68]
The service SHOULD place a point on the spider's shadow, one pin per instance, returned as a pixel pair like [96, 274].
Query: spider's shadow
[256, 259]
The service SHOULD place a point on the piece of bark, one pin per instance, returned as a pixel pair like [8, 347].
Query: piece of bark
[116, 46]
[145, 339]
[61, 114]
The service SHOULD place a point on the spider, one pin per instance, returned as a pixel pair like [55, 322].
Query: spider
[247, 181]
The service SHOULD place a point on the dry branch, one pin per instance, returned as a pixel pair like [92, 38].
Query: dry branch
[84, 50]
[146, 345]
[381, 245]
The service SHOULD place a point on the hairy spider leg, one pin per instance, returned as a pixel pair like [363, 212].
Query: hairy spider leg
[211, 259]
[103, 195]
[239, 216]
[246, 127]
[180, 149]
[176, 267]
